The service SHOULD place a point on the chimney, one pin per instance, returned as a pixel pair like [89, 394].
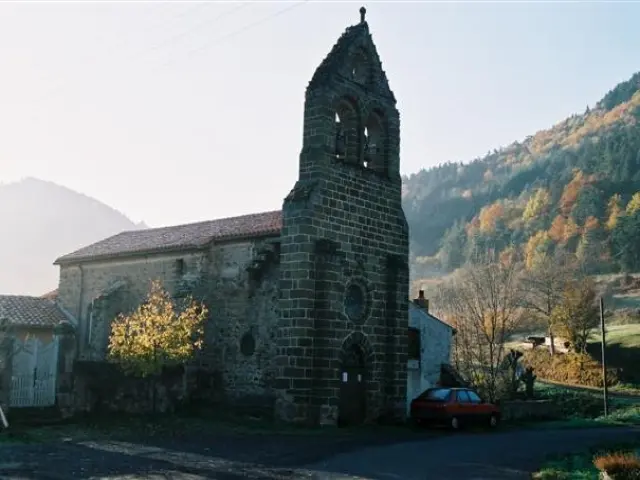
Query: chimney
[421, 301]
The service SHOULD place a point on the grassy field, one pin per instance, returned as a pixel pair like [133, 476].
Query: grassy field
[622, 352]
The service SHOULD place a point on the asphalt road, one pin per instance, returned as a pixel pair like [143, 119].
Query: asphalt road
[419, 456]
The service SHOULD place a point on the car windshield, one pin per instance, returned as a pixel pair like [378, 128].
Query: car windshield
[437, 394]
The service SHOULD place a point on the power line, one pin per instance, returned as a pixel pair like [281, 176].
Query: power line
[193, 28]
[91, 59]
[237, 32]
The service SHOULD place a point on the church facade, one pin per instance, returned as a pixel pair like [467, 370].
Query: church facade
[308, 305]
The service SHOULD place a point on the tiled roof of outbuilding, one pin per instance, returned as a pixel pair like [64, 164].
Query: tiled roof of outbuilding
[25, 311]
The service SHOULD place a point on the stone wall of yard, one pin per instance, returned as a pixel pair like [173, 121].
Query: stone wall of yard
[529, 410]
[102, 388]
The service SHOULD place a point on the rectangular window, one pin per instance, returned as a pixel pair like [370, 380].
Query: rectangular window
[414, 344]
[180, 267]
[463, 396]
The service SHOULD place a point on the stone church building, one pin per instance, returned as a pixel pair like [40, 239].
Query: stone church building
[308, 305]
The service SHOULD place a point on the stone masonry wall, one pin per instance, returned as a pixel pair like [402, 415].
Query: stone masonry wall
[239, 347]
[350, 213]
[79, 285]
[240, 337]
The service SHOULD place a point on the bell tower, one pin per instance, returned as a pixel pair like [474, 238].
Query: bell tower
[344, 248]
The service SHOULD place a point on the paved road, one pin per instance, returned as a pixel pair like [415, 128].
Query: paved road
[419, 456]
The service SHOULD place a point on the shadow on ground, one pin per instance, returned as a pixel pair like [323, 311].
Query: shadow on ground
[219, 456]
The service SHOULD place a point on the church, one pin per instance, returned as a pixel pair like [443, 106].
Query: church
[309, 305]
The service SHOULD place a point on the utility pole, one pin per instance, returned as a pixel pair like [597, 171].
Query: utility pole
[605, 388]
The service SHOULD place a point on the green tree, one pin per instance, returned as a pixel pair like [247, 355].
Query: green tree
[624, 241]
[588, 204]
[452, 249]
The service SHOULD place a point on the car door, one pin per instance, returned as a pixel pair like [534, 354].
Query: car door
[480, 408]
[462, 405]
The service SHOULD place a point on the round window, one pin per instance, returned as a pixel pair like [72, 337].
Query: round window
[355, 302]
[247, 344]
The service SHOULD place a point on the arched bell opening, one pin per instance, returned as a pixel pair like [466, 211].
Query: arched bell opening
[374, 145]
[346, 131]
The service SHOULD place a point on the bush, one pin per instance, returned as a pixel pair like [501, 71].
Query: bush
[575, 404]
[621, 465]
[570, 368]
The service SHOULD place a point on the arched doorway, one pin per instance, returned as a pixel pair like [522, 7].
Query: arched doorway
[353, 389]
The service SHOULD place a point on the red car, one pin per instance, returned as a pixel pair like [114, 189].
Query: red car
[454, 407]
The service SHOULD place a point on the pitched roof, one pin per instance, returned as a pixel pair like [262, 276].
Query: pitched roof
[52, 295]
[413, 308]
[27, 311]
[339, 54]
[179, 237]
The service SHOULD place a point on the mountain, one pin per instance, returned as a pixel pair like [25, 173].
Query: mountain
[573, 187]
[41, 221]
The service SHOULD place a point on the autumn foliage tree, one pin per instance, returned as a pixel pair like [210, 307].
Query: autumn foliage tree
[157, 334]
[542, 288]
[482, 303]
[577, 314]
[537, 205]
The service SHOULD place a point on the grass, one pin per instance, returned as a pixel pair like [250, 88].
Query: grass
[581, 466]
[622, 352]
[579, 409]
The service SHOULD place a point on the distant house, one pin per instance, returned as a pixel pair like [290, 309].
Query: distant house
[30, 350]
[429, 348]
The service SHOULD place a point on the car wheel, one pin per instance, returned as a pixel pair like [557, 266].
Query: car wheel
[493, 420]
[454, 423]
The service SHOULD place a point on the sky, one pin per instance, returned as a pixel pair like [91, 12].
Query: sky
[181, 112]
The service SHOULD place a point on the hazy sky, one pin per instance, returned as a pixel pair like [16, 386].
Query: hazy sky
[180, 112]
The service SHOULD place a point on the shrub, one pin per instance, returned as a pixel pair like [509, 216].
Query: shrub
[621, 465]
[575, 404]
[570, 368]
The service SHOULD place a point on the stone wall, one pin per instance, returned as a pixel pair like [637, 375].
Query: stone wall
[239, 349]
[529, 410]
[102, 388]
[344, 237]
[240, 337]
[80, 285]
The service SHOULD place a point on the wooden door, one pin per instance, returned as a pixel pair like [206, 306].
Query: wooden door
[33, 375]
[352, 408]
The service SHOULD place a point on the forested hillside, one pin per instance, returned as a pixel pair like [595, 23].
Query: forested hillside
[575, 186]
